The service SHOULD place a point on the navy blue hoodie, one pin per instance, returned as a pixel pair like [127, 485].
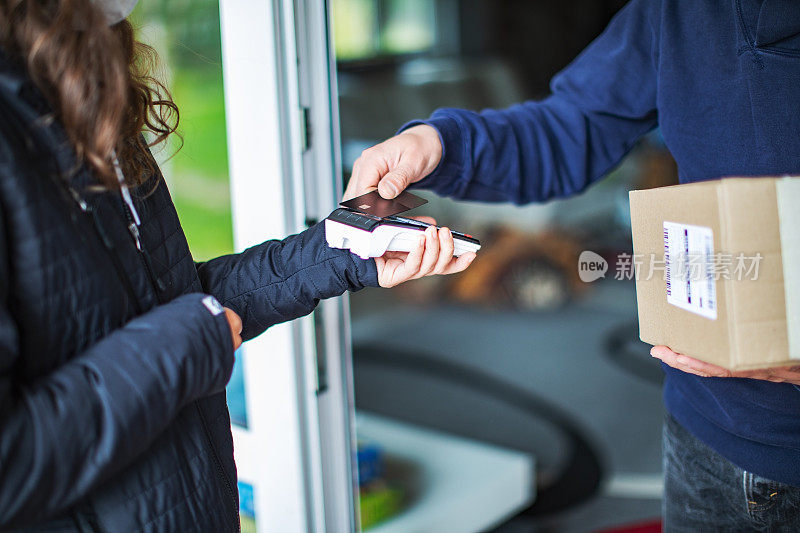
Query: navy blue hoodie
[721, 79]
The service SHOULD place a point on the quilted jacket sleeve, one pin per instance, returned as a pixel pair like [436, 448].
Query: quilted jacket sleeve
[65, 432]
[281, 280]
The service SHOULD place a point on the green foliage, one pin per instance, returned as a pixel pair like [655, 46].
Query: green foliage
[199, 94]
[186, 35]
[209, 231]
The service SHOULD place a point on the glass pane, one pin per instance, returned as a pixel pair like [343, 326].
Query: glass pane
[355, 28]
[488, 356]
[187, 38]
[186, 35]
[410, 26]
[247, 513]
[365, 29]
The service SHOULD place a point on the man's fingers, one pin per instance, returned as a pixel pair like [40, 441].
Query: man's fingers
[688, 364]
[661, 351]
[394, 182]
[665, 354]
[394, 164]
[361, 181]
[703, 367]
[784, 374]
[671, 358]
[367, 172]
[352, 191]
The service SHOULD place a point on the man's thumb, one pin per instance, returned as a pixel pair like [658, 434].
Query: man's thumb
[392, 184]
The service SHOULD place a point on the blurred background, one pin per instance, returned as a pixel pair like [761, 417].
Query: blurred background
[517, 353]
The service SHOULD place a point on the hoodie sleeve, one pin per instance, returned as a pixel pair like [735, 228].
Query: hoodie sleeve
[600, 105]
[278, 281]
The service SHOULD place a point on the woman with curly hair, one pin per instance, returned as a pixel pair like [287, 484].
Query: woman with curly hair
[115, 346]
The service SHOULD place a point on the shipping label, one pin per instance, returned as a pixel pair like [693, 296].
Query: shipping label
[689, 268]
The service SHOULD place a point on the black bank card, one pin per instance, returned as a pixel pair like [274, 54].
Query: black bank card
[374, 204]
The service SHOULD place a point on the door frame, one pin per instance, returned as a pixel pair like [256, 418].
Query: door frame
[283, 143]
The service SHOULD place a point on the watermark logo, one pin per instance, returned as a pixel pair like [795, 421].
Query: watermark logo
[591, 266]
[683, 267]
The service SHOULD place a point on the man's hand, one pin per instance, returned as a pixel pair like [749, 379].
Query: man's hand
[433, 255]
[394, 164]
[693, 366]
[235, 324]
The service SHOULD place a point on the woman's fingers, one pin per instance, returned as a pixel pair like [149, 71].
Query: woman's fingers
[425, 219]
[460, 263]
[413, 260]
[446, 249]
[431, 254]
[235, 323]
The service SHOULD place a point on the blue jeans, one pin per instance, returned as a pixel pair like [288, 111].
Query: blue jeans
[703, 491]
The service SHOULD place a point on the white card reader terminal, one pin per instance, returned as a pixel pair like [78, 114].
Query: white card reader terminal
[371, 236]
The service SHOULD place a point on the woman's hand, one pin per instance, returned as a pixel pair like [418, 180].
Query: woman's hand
[236, 327]
[433, 255]
[790, 374]
[396, 163]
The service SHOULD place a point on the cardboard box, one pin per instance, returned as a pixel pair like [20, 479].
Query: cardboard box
[693, 245]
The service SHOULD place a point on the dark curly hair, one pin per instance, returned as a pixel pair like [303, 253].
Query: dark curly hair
[98, 80]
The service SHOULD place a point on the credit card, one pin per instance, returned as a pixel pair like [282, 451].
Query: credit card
[374, 204]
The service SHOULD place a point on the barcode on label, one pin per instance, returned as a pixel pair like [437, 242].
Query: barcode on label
[689, 268]
[710, 289]
[667, 273]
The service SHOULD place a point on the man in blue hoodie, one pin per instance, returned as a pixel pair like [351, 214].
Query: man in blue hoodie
[721, 79]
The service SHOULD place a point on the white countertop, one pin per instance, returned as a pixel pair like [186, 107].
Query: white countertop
[452, 484]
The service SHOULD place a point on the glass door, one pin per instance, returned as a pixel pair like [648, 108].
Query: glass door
[295, 453]
[428, 459]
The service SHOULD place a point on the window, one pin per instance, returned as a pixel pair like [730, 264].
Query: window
[186, 35]
[366, 29]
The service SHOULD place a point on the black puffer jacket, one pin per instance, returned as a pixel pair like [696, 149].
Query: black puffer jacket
[112, 367]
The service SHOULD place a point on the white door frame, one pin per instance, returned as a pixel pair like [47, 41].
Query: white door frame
[283, 145]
